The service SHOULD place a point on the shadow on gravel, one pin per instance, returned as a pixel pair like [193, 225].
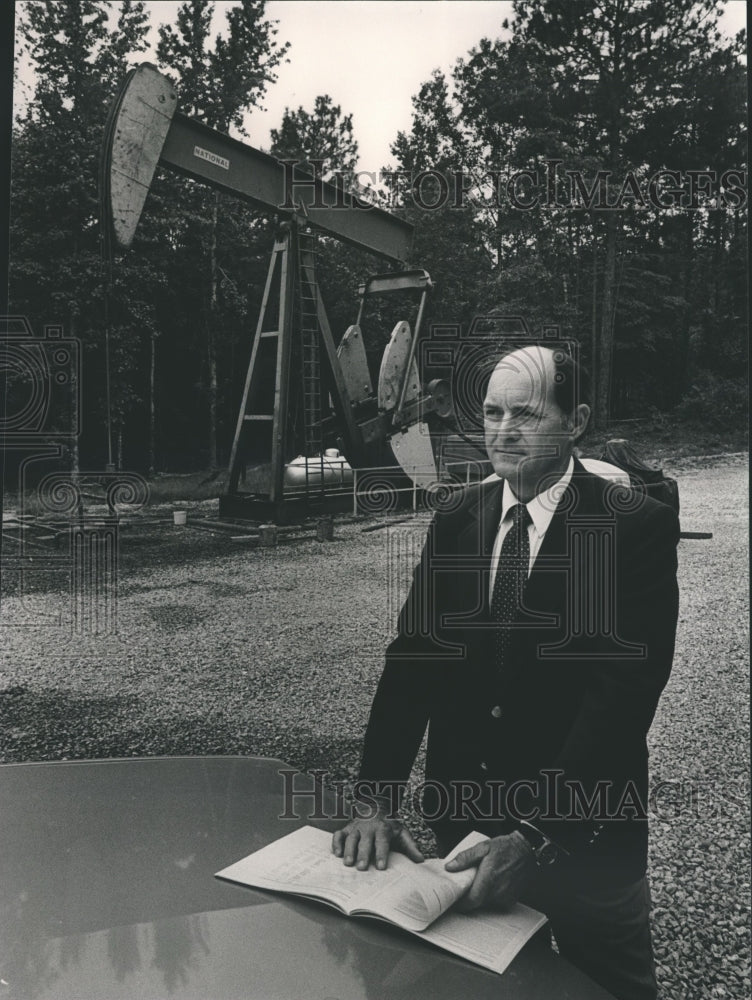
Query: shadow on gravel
[50, 570]
[170, 617]
[59, 725]
[139, 550]
[215, 588]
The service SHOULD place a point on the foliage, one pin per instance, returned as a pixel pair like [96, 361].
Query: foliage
[56, 273]
[717, 402]
[218, 83]
[656, 293]
[621, 88]
[324, 134]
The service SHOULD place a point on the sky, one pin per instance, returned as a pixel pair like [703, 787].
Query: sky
[371, 56]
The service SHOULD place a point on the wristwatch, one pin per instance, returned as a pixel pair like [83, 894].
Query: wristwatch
[545, 851]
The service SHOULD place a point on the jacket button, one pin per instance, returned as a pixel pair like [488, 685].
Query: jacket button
[496, 711]
[483, 766]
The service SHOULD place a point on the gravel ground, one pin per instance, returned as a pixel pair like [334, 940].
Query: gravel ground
[226, 648]
[699, 859]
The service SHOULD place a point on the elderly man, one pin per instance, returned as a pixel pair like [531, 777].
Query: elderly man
[535, 642]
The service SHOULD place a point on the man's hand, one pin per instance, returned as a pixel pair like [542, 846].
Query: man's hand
[504, 864]
[366, 840]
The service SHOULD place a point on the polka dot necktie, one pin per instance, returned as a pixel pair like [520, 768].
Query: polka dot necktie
[511, 574]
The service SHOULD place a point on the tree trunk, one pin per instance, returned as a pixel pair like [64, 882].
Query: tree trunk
[603, 398]
[74, 390]
[594, 325]
[718, 241]
[75, 458]
[615, 128]
[211, 335]
[152, 407]
[688, 253]
[577, 279]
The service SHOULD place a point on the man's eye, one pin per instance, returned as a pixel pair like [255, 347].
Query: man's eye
[525, 415]
[518, 416]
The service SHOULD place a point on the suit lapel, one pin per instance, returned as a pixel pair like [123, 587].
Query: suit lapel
[475, 543]
[578, 500]
[476, 539]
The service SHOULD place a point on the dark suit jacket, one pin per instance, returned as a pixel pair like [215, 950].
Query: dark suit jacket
[559, 736]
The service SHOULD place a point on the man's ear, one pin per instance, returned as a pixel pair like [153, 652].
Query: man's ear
[580, 421]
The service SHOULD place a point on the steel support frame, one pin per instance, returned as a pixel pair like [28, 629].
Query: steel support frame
[285, 259]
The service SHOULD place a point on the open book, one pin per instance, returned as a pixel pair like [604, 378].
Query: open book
[415, 897]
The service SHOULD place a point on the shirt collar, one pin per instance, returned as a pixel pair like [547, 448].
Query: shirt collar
[542, 506]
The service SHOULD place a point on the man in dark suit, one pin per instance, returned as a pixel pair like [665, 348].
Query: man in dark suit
[535, 643]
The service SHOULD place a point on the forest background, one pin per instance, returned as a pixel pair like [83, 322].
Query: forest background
[655, 292]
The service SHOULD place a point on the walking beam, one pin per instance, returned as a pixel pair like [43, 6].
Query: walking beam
[145, 130]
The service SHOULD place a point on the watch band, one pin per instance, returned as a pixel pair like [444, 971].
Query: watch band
[545, 851]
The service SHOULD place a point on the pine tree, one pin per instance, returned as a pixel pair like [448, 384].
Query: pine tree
[619, 59]
[217, 84]
[617, 87]
[324, 134]
[56, 273]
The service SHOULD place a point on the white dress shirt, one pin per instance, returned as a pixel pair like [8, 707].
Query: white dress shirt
[541, 509]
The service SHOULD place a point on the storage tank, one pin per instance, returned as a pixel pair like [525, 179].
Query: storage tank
[335, 468]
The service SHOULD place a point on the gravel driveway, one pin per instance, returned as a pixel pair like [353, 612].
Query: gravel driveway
[224, 648]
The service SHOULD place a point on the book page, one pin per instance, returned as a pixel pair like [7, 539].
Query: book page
[490, 939]
[423, 892]
[408, 894]
[302, 862]
[416, 898]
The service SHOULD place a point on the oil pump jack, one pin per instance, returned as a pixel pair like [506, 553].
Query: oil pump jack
[301, 393]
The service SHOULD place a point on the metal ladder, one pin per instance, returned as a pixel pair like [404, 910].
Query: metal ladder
[311, 360]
